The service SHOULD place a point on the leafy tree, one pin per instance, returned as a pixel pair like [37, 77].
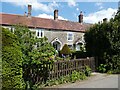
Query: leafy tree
[65, 50]
[103, 42]
[11, 61]
[36, 52]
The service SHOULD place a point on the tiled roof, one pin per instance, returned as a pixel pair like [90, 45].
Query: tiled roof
[36, 22]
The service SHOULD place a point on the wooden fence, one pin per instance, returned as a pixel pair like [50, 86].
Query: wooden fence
[47, 71]
[63, 68]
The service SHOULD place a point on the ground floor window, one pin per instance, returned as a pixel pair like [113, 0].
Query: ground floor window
[70, 46]
[56, 45]
[79, 47]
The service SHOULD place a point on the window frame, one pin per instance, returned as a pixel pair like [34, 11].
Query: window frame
[40, 31]
[70, 36]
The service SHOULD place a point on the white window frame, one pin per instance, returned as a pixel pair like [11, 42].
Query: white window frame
[12, 29]
[69, 36]
[40, 31]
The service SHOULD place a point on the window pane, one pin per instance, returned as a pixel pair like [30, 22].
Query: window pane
[70, 36]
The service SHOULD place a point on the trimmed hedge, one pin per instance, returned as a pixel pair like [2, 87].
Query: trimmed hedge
[11, 62]
[65, 50]
[79, 54]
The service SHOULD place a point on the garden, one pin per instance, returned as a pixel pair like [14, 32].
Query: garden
[30, 63]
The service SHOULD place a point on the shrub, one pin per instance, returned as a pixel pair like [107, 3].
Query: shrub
[88, 71]
[65, 50]
[102, 42]
[79, 54]
[11, 61]
[75, 76]
[102, 68]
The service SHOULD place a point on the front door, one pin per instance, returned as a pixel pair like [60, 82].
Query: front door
[56, 45]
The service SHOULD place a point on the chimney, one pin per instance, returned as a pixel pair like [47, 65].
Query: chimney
[29, 10]
[55, 14]
[80, 17]
[105, 20]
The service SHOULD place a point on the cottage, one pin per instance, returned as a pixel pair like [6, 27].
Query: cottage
[58, 32]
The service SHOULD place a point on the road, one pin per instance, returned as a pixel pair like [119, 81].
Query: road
[96, 81]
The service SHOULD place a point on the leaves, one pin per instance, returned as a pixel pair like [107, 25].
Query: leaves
[36, 51]
[103, 42]
[65, 50]
[11, 61]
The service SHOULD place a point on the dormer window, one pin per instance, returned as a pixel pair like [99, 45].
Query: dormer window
[40, 33]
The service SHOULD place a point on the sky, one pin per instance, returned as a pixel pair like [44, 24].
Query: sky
[93, 11]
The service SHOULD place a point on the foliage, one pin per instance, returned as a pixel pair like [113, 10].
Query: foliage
[65, 50]
[58, 58]
[88, 71]
[77, 76]
[102, 68]
[11, 61]
[36, 52]
[79, 54]
[102, 42]
[70, 78]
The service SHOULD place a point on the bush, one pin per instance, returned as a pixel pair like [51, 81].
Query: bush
[79, 54]
[102, 68]
[88, 71]
[11, 61]
[75, 76]
[103, 43]
[65, 50]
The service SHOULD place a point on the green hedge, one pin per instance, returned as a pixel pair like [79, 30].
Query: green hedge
[11, 62]
[79, 54]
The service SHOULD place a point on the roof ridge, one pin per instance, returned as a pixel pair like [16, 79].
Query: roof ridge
[9, 19]
[39, 17]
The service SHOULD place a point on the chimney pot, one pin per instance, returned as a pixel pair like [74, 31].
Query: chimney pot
[55, 14]
[81, 17]
[29, 10]
[104, 20]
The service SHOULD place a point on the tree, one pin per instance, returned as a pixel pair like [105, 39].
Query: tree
[11, 61]
[65, 50]
[36, 51]
[103, 42]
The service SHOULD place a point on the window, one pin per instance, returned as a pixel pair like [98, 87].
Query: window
[70, 36]
[70, 46]
[12, 29]
[79, 47]
[40, 33]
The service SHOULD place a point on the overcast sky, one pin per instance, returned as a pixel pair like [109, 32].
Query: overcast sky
[68, 10]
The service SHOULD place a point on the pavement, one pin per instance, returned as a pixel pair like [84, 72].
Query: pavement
[97, 80]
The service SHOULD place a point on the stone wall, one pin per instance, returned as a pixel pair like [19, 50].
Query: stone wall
[62, 36]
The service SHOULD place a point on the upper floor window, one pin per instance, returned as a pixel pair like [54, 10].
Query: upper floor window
[12, 29]
[70, 36]
[40, 33]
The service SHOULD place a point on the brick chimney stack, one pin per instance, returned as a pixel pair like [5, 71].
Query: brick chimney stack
[81, 17]
[29, 10]
[55, 14]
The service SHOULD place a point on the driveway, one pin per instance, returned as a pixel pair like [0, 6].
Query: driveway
[97, 80]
